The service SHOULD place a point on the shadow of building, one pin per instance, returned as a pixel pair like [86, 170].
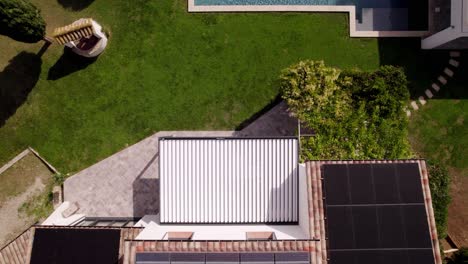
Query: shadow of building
[145, 197]
[16, 82]
[146, 191]
[422, 67]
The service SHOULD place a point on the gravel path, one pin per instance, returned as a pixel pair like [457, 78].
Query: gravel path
[11, 222]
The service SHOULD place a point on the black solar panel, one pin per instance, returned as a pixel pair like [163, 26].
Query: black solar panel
[418, 256]
[365, 227]
[376, 214]
[341, 257]
[385, 181]
[153, 258]
[219, 258]
[294, 257]
[410, 186]
[337, 183]
[394, 256]
[257, 258]
[214, 258]
[188, 258]
[360, 179]
[339, 220]
[417, 228]
[391, 227]
[70, 245]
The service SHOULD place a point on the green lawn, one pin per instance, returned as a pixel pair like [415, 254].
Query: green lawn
[439, 129]
[438, 132]
[164, 69]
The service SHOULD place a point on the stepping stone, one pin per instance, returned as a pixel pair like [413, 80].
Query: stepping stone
[429, 94]
[442, 80]
[436, 87]
[422, 100]
[449, 72]
[454, 54]
[414, 105]
[454, 63]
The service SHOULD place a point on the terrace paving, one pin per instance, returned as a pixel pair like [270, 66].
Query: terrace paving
[126, 184]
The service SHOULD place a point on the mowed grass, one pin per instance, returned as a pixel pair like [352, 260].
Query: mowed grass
[439, 129]
[438, 132]
[164, 69]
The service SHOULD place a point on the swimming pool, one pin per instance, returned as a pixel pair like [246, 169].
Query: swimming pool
[369, 15]
[357, 3]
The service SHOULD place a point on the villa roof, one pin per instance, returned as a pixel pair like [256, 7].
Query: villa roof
[133, 247]
[316, 171]
[229, 180]
[320, 248]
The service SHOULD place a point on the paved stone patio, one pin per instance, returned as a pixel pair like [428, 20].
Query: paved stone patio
[126, 184]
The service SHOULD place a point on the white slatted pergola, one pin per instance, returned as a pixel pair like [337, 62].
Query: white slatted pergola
[228, 180]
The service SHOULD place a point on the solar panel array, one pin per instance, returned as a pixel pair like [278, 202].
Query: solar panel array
[376, 214]
[75, 245]
[219, 258]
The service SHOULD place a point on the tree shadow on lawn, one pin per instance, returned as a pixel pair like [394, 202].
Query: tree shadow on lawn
[17, 81]
[423, 67]
[67, 64]
[75, 5]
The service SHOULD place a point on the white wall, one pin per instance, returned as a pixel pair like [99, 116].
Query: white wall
[303, 200]
[458, 28]
[155, 231]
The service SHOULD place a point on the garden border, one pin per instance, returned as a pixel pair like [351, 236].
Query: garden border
[25, 152]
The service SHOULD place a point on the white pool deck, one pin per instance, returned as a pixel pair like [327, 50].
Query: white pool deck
[351, 10]
[458, 26]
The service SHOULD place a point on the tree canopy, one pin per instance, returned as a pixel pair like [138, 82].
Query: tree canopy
[21, 21]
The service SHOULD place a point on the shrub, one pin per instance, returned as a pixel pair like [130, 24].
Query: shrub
[439, 183]
[354, 114]
[384, 90]
[310, 89]
[21, 21]
[459, 257]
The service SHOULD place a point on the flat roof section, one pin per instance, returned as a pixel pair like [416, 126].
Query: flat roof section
[376, 213]
[229, 180]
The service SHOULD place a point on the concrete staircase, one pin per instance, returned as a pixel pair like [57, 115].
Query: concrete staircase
[18, 251]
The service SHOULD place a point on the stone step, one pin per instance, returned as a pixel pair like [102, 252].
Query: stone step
[455, 54]
[442, 80]
[454, 63]
[449, 72]
[421, 100]
[429, 94]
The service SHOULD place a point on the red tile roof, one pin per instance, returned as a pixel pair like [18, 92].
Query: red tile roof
[132, 247]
